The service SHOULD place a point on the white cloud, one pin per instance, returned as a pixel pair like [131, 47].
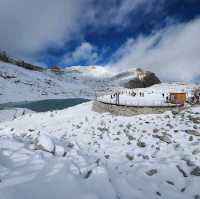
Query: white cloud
[30, 26]
[86, 52]
[116, 13]
[173, 53]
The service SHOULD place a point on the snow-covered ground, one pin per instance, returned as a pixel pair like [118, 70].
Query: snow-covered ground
[82, 154]
[78, 153]
[18, 84]
[11, 114]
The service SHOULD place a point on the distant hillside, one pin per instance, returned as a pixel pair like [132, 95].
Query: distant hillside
[8, 59]
[21, 81]
[19, 84]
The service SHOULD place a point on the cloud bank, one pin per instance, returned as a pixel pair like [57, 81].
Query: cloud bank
[28, 27]
[173, 53]
[86, 53]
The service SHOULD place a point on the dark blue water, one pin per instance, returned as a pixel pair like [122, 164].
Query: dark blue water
[45, 105]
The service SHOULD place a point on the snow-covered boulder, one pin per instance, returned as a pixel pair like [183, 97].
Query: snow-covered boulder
[60, 151]
[45, 143]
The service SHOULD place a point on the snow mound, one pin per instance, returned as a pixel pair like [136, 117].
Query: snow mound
[45, 143]
[59, 150]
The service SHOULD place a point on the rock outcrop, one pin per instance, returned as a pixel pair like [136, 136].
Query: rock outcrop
[136, 78]
[147, 79]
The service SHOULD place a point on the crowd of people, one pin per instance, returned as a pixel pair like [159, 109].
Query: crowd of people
[132, 93]
[195, 99]
[142, 94]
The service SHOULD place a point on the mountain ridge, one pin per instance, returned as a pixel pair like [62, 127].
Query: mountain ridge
[22, 83]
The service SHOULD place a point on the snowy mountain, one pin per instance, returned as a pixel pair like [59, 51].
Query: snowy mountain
[21, 84]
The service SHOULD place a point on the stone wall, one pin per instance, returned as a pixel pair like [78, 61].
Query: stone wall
[130, 111]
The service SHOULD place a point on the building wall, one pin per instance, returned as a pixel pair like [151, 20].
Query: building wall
[178, 98]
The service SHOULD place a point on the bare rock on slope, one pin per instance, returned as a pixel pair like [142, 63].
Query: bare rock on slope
[144, 79]
[136, 78]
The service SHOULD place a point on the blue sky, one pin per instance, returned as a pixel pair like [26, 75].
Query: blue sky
[121, 33]
[107, 39]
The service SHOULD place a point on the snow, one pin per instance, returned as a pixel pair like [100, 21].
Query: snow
[44, 142]
[28, 85]
[128, 100]
[153, 96]
[59, 150]
[18, 84]
[83, 154]
[11, 114]
[103, 158]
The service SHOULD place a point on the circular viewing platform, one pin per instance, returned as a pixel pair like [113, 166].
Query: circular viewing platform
[124, 110]
[128, 105]
[148, 100]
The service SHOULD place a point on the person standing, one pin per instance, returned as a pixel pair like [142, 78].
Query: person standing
[115, 97]
[118, 98]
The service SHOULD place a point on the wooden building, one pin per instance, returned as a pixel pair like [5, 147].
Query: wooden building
[177, 98]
